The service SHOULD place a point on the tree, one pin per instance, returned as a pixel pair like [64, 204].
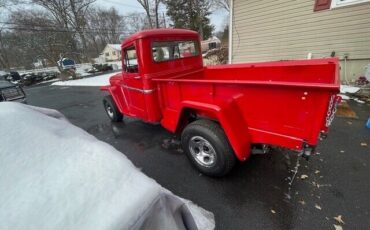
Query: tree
[137, 22]
[37, 36]
[4, 62]
[151, 8]
[6, 3]
[221, 4]
[71, 14]
[104, 26]
[191, 14]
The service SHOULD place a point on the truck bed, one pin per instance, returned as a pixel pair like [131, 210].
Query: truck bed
[282, 103]
[318, 72]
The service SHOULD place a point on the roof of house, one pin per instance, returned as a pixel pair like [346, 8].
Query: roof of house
[212, 39]
[115, 46]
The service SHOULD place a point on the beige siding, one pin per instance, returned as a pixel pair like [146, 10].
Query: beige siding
[113, 54]
[289, 29]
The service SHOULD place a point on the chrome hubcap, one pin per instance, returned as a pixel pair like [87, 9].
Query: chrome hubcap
[202, 151]
[109, 111]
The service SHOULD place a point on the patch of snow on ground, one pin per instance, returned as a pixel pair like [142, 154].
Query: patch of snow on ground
[100, 80]
[348, 89]
[48, 81]
[344, 97]
[54, 175]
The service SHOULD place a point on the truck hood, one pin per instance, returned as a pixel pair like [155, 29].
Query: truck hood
[4, 84]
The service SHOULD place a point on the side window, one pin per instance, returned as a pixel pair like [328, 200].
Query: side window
[166, 51]
[130, 64]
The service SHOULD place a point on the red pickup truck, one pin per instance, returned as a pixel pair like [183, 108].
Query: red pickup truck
[222, 111]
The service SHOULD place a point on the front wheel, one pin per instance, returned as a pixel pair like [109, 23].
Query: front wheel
[111, 109]
[207, 147]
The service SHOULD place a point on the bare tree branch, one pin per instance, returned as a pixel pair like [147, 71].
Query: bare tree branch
[221, 4]
[151, 8]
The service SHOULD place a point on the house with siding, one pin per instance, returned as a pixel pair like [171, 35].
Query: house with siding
[111, 52]
[298, 29]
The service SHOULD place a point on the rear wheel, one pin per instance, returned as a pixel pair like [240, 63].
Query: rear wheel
[111, 109]
[207, 147]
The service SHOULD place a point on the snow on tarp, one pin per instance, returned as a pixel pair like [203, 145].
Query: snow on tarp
[348, 89]
[54, 175]
[100, 80]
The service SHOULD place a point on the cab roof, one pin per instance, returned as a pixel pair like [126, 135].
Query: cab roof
[158, 33]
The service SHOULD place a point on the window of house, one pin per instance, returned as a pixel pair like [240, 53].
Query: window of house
[331, 4]
[130, 64]
[107, 54]
[166, 51]
[212, 45]
[114, 53]
[339, 3]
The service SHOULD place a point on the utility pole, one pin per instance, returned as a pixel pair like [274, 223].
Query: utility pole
[199, 19]
[164, 20]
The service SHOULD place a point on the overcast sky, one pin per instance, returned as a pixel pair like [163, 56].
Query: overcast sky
[128, 6]
[218, 18]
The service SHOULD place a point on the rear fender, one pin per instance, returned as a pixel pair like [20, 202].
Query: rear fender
[231, 121]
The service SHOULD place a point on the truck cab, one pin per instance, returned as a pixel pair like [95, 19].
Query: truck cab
[172, 53]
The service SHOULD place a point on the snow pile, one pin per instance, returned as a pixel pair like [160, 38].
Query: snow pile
[344, 97]
[100, 80]
[348, 89]
[54, 175]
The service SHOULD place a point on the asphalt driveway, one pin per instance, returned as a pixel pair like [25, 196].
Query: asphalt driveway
[258, 194]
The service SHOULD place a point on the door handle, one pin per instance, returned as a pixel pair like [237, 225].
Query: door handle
[137, 77]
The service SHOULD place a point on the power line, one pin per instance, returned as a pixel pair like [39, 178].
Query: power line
[123, 4]
[67, 31]
[53, 26]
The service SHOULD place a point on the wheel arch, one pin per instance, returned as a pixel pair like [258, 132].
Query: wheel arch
[228, 116]
[116, 94]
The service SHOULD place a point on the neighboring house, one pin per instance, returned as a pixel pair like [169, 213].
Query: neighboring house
[111, 52]
[283, 30]
[210, 43]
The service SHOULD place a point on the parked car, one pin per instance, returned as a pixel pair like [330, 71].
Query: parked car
[222, 111]
[11, 92]
[28, 79]
[66, 64]
[45, 76]
[3, 75]
[50, 75]
[100, 68]
[13, 76]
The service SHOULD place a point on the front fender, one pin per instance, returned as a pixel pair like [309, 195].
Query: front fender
[232, 122]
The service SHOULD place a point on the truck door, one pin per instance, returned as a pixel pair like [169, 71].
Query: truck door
[133, 82]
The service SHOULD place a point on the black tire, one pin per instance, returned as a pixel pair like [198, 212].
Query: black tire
[111, 109]
[210, 137]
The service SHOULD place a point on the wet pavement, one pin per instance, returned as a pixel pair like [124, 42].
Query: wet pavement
[266, 192]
